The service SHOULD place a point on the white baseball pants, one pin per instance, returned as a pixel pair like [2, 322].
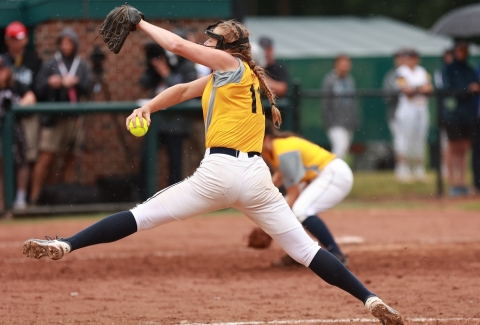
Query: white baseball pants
[222, 181]
[410, 131]
[340, 139]
[329, 188]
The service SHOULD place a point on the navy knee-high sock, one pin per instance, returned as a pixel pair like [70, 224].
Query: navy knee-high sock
[332, 271]
[319, 229]
[111, 228]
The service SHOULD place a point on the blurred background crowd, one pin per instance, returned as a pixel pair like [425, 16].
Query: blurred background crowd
[427, 86]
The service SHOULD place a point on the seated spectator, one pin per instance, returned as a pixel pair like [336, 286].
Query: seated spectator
[163, 71]
[16, 93]
[63, 78]
[25, 66]
[411, 119]
[340, 114]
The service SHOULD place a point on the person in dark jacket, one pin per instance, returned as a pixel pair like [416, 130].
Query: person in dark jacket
[163, 71]
[476, 145]
[63, 78]
[458, 116]
[277, 73]
[438, 76]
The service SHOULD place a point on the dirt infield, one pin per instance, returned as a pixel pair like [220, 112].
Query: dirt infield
[424, 262]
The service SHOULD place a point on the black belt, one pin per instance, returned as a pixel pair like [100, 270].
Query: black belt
[232, 152]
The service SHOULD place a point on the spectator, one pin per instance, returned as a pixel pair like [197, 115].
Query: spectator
[438, 77]
[258, 55]
[163, 71]
[277, 73]
[476, 145]
[340, 114]
[202, 71]
[390, 86]
[63, 78]
[411, 119]
[25, 66]
[16, 93]
[459, 116]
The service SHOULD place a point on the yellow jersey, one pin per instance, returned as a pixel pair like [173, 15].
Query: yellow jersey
[297, 159]
[232, 110]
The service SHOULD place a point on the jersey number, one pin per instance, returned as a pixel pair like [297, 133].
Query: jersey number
[254, 100]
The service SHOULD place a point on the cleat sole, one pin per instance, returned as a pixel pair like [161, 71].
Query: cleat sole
[386, 315]
[37, 249]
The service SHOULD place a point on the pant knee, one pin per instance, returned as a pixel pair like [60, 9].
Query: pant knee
[151, 214]
[298, 245]
[306, 254]
[300, 212]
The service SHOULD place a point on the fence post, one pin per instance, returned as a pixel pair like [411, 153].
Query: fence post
[438, 144]
[8, 164]
[296, 106]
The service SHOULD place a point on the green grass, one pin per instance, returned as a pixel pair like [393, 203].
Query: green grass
[93, 217]
[370, 190]
[383, 185]
[473, 206]
[49, 218]
[349, 204]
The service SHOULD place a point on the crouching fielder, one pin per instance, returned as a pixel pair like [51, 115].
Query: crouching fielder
[315, 180]
[232, 174]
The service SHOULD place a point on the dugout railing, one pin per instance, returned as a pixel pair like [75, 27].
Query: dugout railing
[191, 107]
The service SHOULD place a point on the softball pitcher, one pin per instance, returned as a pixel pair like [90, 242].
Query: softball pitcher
[232, 174]
[315, 180]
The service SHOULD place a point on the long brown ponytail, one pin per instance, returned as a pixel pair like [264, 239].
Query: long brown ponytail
[244, 53]
[272, 131]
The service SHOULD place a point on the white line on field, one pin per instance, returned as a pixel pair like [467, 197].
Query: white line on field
[331, 321]
[365, 245]
[240, 249]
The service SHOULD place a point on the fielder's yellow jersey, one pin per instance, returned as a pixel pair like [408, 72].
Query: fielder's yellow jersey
[232, 110]
[297, 159]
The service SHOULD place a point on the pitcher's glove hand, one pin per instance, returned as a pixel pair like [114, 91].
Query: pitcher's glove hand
[118, 24]
[259, 239]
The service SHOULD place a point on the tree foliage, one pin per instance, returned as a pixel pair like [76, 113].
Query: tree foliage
[423, 13]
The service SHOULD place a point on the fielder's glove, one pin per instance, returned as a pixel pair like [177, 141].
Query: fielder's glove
[259, 239]
[118, 24]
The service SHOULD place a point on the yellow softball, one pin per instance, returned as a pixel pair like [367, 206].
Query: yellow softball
[138, 131]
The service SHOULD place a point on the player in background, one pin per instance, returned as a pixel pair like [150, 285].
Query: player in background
[232, 174]
[411, 119]
[315, 181]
